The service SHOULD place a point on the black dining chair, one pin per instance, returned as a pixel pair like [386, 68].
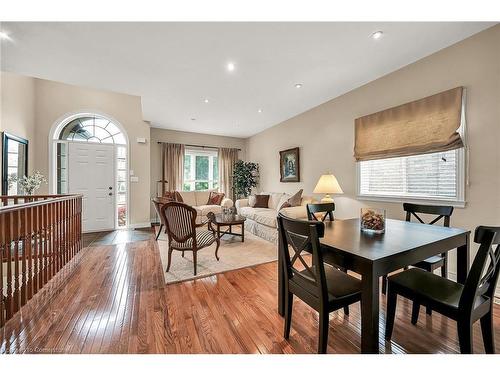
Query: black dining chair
[463, 303]
[437, 261]
[327, 210]
[315, 208]
[321, 286]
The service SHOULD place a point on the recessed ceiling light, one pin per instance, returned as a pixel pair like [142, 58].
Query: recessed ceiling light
[4, 35]
[298, 85]
[230, 66]
[259, 110]
[377, 35]
[206, 100]
[193, 119]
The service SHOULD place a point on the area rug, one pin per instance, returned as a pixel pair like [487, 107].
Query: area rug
[233, 255]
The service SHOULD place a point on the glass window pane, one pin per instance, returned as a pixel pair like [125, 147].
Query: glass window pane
[107, 140]
[13, 146]
[122, 176]
[201, 168]
[112, 129]
[86, 121]
[186, 187]
[101, 122]
[215, 168]
[122, 215]
[119, 139]
[121, 152]
[201, 185]
[122, 164]
[187, 167]
[101, 133]
[122, 186]
[121, 198]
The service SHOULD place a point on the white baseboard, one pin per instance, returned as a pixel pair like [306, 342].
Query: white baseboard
[145, 224]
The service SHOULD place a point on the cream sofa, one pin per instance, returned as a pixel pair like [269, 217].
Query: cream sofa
[198, 200]
[262, 221]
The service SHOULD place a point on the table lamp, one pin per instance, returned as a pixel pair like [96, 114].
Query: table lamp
[327, 184]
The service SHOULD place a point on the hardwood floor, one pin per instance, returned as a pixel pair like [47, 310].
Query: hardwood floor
[111, 298]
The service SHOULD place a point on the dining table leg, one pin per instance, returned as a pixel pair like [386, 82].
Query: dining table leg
[463, 259]
[281, 285]
[369, 312]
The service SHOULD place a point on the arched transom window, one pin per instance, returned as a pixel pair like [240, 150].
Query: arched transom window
[92, 129]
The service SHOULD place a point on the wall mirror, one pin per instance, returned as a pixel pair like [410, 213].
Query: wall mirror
[14, 162]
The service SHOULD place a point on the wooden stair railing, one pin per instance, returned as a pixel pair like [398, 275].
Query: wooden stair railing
[38, 236]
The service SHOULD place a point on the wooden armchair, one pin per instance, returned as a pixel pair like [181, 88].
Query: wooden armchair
[181, 229]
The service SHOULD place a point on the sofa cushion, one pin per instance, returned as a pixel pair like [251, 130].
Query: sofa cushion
[189, 197]
[203, 210]
[297, 212]
[274, 199]
[202, 196]
[265, 216]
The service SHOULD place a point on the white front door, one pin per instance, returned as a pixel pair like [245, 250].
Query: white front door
[91, 173]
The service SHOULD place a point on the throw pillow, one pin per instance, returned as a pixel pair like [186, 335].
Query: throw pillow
[296, 199]
[285, 205]
[178, 197]
[261, 201]
[170, 196]
[215, 198]
[252, 200]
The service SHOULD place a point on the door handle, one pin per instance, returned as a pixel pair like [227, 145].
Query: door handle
[110, 188]
[110, 193]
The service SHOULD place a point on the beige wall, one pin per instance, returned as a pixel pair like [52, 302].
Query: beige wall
[325, 134]
[30, 107]
[17, 110]
[54, 100]
[172, 136]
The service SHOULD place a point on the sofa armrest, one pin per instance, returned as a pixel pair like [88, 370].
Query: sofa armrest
[226, 202]
[241, 203]
[297, 212]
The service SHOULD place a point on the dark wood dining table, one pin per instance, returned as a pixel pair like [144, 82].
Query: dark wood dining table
[375, 255]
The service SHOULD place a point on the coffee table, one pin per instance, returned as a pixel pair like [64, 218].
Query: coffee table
[228, 220]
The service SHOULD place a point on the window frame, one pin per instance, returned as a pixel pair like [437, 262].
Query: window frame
[458, 201]
[193, 152]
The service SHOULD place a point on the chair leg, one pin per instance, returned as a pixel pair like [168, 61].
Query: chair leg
[169, 257]
[346, 310]
[183, 253]
[428, 310]
[444, 269]
[288, 314]
[465, 336]
[488, 333]
[323, 331]
[159, 232]
[415, 310]
[384, 284]
[217, 248]
[392, 299]
[194, 261]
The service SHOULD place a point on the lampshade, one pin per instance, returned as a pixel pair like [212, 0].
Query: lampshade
[328, 184]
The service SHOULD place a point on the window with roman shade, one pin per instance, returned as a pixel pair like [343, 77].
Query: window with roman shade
[413, 151]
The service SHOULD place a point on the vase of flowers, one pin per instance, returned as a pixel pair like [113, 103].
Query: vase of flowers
[29, 184]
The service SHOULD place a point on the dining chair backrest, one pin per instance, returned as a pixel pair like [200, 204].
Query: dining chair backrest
[180, 221]
[327, 208]
[441, 212]
[480, 283]
[300, 236]
[158, 202]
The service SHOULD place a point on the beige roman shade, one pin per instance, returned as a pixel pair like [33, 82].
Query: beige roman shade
[427, 125]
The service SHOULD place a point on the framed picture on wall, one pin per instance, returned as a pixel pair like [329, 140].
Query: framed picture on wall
[290, 165]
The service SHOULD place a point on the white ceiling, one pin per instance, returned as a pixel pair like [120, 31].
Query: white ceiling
[175, 66]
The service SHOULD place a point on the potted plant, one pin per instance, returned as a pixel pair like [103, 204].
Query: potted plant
[29, 184]
[245, 177]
